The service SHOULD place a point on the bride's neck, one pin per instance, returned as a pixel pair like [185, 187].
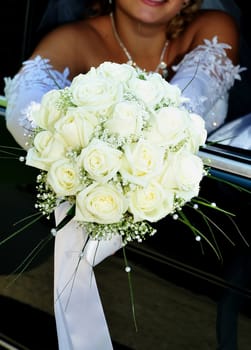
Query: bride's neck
[139, 37]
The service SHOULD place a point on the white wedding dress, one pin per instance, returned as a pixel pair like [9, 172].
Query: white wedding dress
[236, 133]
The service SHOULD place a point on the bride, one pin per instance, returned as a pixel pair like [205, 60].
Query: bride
[193, 48]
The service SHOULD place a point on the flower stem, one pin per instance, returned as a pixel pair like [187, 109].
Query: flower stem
[130, 291]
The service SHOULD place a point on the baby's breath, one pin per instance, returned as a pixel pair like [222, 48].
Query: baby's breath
[46, 199]
[65, 100]
[127, 228]
[176, 147]
[85, 178]
[72, 154]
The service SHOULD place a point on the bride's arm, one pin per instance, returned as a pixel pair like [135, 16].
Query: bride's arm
[205, 75]
[35, 78]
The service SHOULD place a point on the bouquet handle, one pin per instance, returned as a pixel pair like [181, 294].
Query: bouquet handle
[79, 314]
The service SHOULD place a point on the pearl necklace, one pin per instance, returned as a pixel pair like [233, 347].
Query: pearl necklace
[161, 65]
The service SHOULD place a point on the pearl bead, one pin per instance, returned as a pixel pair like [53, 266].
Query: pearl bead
[53, 232]
[162, 65]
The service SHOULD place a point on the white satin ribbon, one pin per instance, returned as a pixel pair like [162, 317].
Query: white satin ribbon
[80, 319]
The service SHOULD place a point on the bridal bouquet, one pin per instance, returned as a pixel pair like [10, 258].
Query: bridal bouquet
[118, 145]
[117, 151]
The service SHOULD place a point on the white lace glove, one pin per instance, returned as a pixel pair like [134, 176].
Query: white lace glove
[205, 75]
[28, 86]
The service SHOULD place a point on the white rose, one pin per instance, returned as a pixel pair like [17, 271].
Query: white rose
[121, 72]
[49, 111]
[100, 160]
[183, 172]
[95, 92]
[141, 162]
[197, 133]
[150, 90]
[76, 127]
[48, 147]
[126, 120]
[173, 96]
[102, 204]
[63, 177]
[168, 127]
[150, 203]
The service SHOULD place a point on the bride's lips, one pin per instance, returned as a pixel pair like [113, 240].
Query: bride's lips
[154, 2]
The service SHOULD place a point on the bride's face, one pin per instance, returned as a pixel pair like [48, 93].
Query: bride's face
[151, 11]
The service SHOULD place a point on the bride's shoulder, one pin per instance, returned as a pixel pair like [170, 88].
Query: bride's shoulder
[215, 23]
[95, 27]
[214, 20]
[70, 34]
[87, 35]
[72, 45]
